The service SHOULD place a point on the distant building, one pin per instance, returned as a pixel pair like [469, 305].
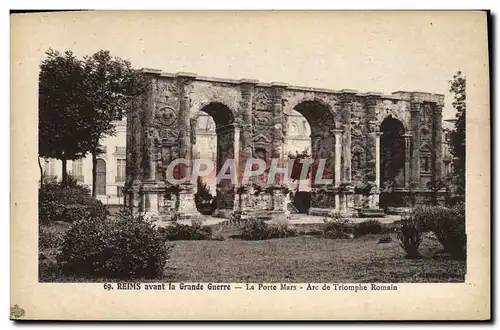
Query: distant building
[110, 167]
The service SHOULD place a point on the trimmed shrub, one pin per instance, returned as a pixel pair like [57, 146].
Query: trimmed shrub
[258, 229]
[367, 227]
[122, 247]
[238, 216]
[448, 224]
[68, 202]
[254, 229]
[280, 227]
[410, 235]
[335, 226]
[178, 232]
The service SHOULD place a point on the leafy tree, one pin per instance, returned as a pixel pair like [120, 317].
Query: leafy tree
[457, 134]
[60, 124]
[435, 186]
[79, 100]
[110, 85]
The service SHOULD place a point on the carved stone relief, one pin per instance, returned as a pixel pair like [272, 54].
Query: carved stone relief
[263, 99]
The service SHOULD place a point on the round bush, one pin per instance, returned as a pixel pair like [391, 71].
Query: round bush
[449, 226]
[68, 202]
[123, 247]
[368, 227]
[179, 231]
[259, 229]
[254, 229]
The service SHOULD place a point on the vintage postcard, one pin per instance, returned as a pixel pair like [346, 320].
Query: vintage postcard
[250, 165]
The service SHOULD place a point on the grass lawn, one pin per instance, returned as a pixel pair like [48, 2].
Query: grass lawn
[295, 259]
[310, 259]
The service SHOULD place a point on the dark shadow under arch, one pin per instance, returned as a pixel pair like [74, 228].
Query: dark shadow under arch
[221, 113]
[392, 153]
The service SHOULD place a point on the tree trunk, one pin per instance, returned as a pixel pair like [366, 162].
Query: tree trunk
[435, 197]
[41, 172]
[94, 174]
[64, 170]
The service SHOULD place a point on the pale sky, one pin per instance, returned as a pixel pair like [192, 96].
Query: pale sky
[378, 52]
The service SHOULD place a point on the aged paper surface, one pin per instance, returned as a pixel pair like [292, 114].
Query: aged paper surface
[367, 51]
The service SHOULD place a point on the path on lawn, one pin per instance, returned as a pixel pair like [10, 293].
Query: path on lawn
[300, 219]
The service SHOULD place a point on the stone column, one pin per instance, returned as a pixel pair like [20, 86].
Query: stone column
[415, 128]
[372, 125]
[279, 131]
[149, 185]
[407, 138]
[148, 132]
[245, 152]
[236, 146]
[338, 160]
[347, 102]
[437, 137]
[338, 156]
[184, 124]
[185, 204]
[376, 136]
[137, 122]
[133, 151]
[278, 121]
[376, 192]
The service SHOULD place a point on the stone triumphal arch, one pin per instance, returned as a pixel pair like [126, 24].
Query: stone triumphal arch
[381, 151]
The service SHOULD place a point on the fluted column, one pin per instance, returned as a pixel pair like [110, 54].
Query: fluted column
[338, 156]
[278, 124]
[338, 167]
[374, 203]
[407, 138]
[415, 128]
[376, 136]
[372, 125]
[245, 152]
[185, 204]
[183, 125]
[347, 104]
[137, 142]
[437, 135]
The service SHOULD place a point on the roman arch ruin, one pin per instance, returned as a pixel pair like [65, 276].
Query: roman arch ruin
[381, 150]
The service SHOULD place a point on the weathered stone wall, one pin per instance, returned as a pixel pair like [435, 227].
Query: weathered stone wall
[359, 137]
[252, 116]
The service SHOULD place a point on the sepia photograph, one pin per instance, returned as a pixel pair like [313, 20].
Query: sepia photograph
[237, 152]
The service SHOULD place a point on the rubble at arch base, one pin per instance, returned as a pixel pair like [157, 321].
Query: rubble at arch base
[352, 131]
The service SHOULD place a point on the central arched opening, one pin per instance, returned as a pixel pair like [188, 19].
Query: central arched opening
[215, 142]
[310, 134]
[392, 154]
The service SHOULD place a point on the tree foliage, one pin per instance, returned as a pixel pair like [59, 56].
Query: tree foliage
[456, 136]
[60, 124]
[80, 100]
[110, 85]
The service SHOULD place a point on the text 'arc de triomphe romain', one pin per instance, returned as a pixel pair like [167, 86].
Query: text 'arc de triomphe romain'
[381, 150]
